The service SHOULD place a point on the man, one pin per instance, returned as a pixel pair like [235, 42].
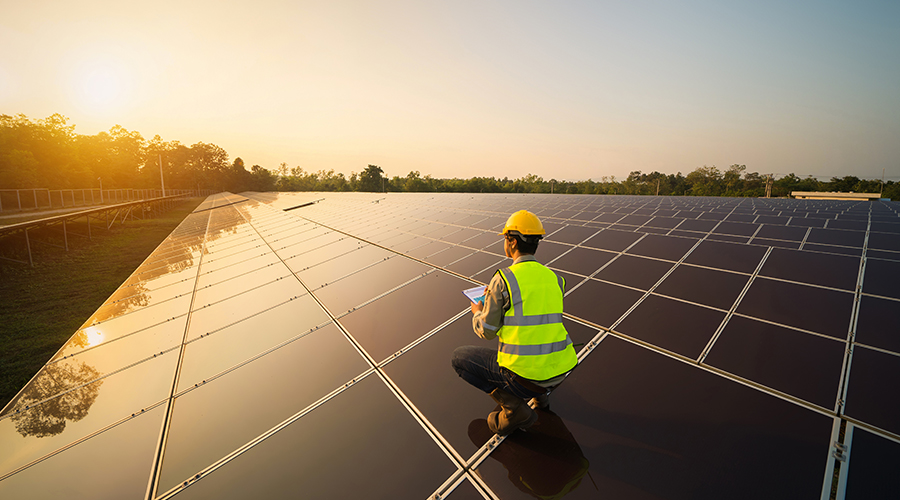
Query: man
[523, 306]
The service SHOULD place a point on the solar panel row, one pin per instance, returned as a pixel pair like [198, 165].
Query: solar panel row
[258, 351]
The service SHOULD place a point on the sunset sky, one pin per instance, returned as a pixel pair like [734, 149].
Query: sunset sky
[561, 89]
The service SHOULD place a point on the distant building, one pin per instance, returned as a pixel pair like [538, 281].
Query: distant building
[824, 195]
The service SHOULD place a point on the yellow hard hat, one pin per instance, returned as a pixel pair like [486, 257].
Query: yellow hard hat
[525, 223]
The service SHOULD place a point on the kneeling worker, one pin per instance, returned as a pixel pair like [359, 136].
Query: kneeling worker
[523, 306]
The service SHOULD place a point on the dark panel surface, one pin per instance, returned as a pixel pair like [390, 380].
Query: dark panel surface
[600, 303]
[579, 333]
[728, 238]
[874, 384]
[836, 271]
[883, 254]
[736, 217]
[428, 249]
[663, 222]
[312, 457]
[482, 240]
[445, 257]
[475, 263]
[635, 220]
[838, 237]
[41, 419]
[886, 227]
[635, 271]
[582, 260]
[223, 348]
[705, 286]
[772, 219]
[675, 326]
[695, 435]
[741, 258]
[806, 222]
[446, 400]
[851, 251]
[884, 241]
[799, 364]
[878, 324]
[572, 234]
[460, 235]
[793, 245]
[392, 322]
[97, 468]
[703, 226]
[882, 277]
[368, 283]
[874, 462]
[736, 228]
[258, 396]
[663, 247]
[790, 233]
[815, 309]
[548, 250]
[611, 239]
[853, 225]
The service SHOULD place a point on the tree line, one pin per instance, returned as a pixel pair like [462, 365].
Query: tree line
[47, 153]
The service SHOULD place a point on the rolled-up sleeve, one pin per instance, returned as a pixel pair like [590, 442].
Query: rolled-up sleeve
[488, 321]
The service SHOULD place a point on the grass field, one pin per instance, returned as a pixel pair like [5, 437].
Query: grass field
[42, 307]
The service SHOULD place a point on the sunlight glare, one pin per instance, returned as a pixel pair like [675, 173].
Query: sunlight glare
[102, 87]
[93, 335]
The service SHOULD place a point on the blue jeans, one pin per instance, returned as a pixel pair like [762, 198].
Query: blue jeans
[478, 366]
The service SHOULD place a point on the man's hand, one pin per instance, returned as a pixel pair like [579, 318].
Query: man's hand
[477, 307]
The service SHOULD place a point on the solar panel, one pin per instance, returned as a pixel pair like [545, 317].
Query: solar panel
[725, 345]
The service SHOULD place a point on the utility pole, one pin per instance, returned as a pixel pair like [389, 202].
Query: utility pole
[769, 186]
[162, 181]
[657, 187]
[882, 183]
[101, 189]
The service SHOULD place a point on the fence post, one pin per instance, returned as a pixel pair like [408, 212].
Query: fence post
[28, 245]
[19, 199]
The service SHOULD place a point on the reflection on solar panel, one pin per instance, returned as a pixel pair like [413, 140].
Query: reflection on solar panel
[298, 344]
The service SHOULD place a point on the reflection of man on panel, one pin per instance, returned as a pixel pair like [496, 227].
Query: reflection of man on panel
[545, 462]
[523, 306]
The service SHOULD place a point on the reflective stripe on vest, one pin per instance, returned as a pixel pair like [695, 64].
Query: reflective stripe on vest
[535, 349]
[533, 341]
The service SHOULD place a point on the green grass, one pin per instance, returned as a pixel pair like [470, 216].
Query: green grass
[42, 307]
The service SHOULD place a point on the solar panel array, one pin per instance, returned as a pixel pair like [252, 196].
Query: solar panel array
[298, 344]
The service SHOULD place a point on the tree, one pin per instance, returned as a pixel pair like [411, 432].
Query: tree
[705, 181]
[261, 179]
[371, 179]
[18, 169]
[237, 178]
[732, 179]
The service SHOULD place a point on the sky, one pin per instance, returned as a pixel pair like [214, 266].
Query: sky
[567, 90]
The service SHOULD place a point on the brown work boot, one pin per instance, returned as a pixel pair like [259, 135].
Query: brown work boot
[542, 401]
[514, 413]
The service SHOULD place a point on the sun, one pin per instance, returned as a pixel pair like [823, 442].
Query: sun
[101, 87]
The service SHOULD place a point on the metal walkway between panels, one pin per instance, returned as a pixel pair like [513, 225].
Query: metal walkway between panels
[17, 240]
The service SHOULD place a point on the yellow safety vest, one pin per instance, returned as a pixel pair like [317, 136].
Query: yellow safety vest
[533, 341]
